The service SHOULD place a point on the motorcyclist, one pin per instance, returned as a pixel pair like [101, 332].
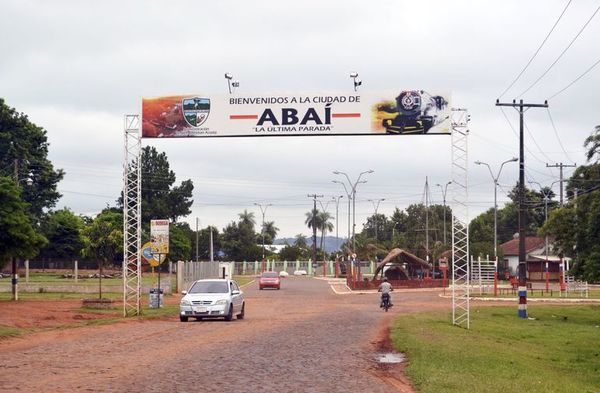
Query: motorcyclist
[385, 288]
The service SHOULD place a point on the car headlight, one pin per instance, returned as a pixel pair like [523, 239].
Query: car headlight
[185, 302]
[222, 301]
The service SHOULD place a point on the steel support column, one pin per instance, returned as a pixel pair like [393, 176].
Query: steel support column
[132, 216]
[460, 219]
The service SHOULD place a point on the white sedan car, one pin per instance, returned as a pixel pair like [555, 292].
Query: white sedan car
[218, 298]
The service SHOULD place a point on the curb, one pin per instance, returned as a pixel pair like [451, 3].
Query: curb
[529, 299]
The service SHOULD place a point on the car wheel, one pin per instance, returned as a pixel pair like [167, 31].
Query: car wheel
[183, 319]
[278, 288]
[198, 318]
[229, 315]
[261, 288]
[241, 315]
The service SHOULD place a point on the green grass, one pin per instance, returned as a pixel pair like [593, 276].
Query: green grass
[555, 294]
[59, 295]
[243, 280]
[7, 331]
[559, 351]
[57, 279]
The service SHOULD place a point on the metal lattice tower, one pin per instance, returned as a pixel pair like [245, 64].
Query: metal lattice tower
[132, 216]
[460, 218]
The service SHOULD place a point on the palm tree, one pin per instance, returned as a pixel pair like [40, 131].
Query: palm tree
[271, 231]
[300, 241]
[313, 218]
[247, 218]
[326, 225]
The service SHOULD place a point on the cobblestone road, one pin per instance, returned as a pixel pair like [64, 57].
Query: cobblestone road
[303, 338]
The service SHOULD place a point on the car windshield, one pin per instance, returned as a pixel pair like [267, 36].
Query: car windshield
[270, 275]
[209, 287]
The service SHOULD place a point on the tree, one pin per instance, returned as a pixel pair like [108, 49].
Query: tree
[160, 198]
[326, 226]
[64, 231]
[313, 220]
[247, 218]
[239, 239]
[300, 241]
[293, 253]
[180, 245]
[24, 154]
[592, 143]
[18, 239]
[104, 239]
[576, 225]
[270, 231]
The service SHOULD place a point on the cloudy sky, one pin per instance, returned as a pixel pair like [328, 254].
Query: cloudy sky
[76, 67]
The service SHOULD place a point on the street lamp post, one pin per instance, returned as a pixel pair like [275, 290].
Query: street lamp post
[444, 193]
[514, 159]
[337, 205]
[353, 191]
[262, 231]
[376, 203]
[349, 195]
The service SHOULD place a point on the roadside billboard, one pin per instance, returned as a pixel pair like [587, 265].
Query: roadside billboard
[159, 236]
[364, 113]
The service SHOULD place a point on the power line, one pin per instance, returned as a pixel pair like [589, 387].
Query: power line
[556, 133]
[561, 54]
[535, 142]
[576, 79]
[537, 51]
[517, 135]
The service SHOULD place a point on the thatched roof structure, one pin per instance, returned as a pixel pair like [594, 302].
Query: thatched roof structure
[397, 259]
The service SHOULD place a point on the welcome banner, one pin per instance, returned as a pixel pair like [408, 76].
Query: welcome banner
[365, 113]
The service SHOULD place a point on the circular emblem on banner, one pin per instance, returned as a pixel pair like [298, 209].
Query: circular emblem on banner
[147, 255]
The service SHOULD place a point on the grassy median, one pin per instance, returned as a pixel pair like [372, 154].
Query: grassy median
[558, 351]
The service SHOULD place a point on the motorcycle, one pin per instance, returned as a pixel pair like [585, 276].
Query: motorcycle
[385, 301]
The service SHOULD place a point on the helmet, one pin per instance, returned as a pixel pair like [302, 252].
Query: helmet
[385, 279]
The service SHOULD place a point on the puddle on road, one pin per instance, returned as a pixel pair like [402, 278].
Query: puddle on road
[390, 357]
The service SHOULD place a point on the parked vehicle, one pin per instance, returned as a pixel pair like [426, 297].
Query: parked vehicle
[269, 280]
[220, 298]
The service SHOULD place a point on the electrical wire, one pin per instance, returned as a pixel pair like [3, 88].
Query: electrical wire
[535, 143]
[517, 135]
[556, 133]
[576, 79]
[537, 51]
[561, 54]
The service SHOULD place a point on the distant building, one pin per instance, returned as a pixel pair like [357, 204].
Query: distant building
[535, 255]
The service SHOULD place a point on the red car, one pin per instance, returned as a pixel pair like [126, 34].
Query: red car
[269, 280]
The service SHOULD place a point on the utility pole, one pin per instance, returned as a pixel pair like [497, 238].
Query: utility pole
[521, 108]
[211, 244]
[197, 220]
[314, 225]
[561, 166]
